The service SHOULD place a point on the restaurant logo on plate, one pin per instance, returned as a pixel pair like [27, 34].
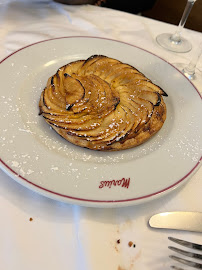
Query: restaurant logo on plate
[124, 182]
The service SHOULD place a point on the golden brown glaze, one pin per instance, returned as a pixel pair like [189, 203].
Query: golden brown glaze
[103, 104]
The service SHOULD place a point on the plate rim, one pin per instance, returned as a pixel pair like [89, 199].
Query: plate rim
[89, 202]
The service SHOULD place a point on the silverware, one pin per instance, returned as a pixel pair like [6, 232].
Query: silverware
[186, 253]
[187, 221]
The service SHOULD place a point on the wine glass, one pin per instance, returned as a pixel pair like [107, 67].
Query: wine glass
[174, 42]
[190, 70]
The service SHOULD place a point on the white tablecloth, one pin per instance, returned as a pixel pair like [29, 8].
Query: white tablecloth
[63, 236]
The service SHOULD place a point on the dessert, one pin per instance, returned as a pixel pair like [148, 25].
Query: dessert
[103, 104]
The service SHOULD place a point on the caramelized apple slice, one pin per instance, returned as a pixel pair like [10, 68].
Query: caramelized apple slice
[73, 67]
[74, 128]
[109, 127]
[88, 63]
[147, 86]
[153, 97]
[101, 67]
[51, 103]
[74, 91]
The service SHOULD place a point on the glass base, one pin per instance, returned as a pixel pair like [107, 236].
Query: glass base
[195, 77]
[164, 40]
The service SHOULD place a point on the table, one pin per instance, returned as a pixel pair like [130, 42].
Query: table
[39, 233]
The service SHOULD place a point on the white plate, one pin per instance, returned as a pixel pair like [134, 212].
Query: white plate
[35, 156]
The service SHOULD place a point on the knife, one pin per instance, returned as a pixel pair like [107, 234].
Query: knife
[186, 221]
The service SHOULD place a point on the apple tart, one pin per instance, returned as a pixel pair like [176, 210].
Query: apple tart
[102, 104]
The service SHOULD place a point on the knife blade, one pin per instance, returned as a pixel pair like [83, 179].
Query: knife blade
[186, 221]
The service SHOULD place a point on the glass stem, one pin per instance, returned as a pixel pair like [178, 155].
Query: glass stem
[190, 68]
[176, 36]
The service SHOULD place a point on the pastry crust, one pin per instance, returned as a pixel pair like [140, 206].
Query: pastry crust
[102, 104]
